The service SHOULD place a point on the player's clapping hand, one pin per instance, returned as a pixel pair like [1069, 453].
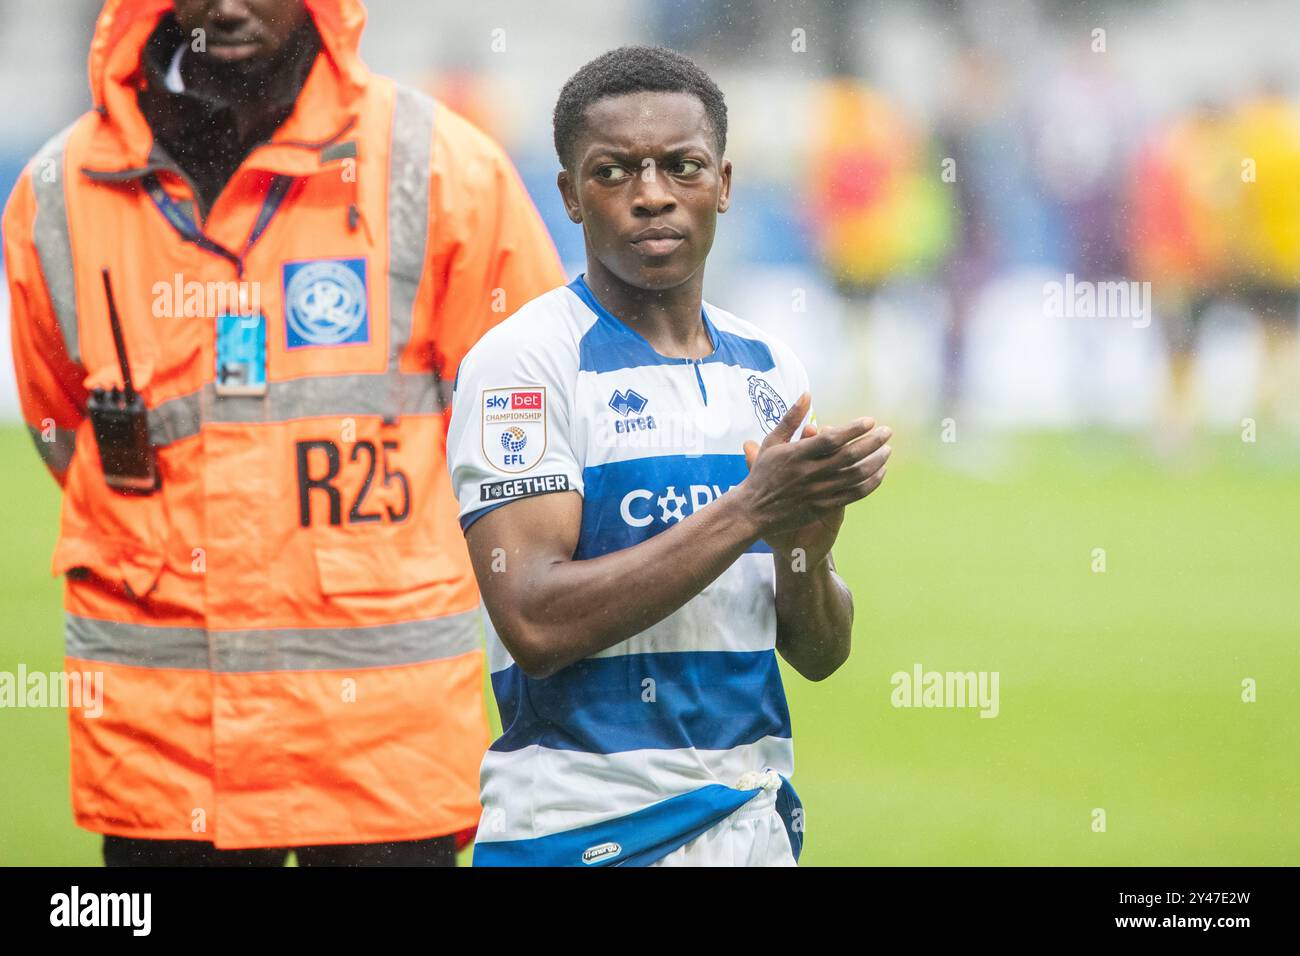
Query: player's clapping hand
[797, 491]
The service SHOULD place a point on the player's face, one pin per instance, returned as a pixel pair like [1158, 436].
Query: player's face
[647, 186]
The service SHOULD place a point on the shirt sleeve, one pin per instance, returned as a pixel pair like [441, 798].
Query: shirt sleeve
[511, 424]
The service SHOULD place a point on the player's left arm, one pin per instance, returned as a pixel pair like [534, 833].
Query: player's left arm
[814, 607]
[814, 616]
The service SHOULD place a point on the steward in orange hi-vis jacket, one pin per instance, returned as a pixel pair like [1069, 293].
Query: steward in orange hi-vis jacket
[288, 626]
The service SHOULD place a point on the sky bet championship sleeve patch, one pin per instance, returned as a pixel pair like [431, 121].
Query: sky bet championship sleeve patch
[514, 428]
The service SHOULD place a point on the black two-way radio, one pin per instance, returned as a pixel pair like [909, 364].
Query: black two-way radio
[121, 423]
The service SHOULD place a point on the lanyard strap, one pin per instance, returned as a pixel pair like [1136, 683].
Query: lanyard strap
[189, 230]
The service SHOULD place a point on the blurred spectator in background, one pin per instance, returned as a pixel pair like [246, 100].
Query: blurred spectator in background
[1183, 187]
[1215, 198]
[879, 208]
[1268, 240]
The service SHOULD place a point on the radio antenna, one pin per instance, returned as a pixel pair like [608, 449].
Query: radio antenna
[118, 342]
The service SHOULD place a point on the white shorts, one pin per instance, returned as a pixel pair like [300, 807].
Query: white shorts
[755, 835]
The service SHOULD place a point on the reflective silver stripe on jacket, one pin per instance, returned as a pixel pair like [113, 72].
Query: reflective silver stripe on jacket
[271, 649]
[409, 156]
[319, 395]
[53, 238]
[56, 454]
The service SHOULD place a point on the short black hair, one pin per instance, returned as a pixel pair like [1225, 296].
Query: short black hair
[633, 69]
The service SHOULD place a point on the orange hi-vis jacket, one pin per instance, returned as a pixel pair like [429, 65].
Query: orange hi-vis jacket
[288, 628]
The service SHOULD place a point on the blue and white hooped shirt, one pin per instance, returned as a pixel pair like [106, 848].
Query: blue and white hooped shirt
[624, 756]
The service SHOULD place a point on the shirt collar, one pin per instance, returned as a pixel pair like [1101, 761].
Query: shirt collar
[583, 291]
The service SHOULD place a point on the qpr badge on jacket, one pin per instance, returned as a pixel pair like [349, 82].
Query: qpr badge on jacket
[325, 303]
[514, 427]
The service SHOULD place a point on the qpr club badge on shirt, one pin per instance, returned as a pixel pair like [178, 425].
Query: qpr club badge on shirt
[768, 404]
[514, 427]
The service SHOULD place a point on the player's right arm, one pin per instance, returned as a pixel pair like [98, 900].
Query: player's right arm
[550, 610]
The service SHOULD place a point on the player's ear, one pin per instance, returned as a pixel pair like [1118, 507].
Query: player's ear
[569, 195]
[724, 196]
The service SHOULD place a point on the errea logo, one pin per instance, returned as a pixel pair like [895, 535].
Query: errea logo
[630, 405]
[601, 851]
[627, 403]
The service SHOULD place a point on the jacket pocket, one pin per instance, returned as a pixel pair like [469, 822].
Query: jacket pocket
[119, 538]
[381, 566]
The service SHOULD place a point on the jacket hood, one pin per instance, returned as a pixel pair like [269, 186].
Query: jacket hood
[123, 29]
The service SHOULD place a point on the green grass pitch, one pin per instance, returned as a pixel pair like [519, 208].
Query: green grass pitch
[1119, 690]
